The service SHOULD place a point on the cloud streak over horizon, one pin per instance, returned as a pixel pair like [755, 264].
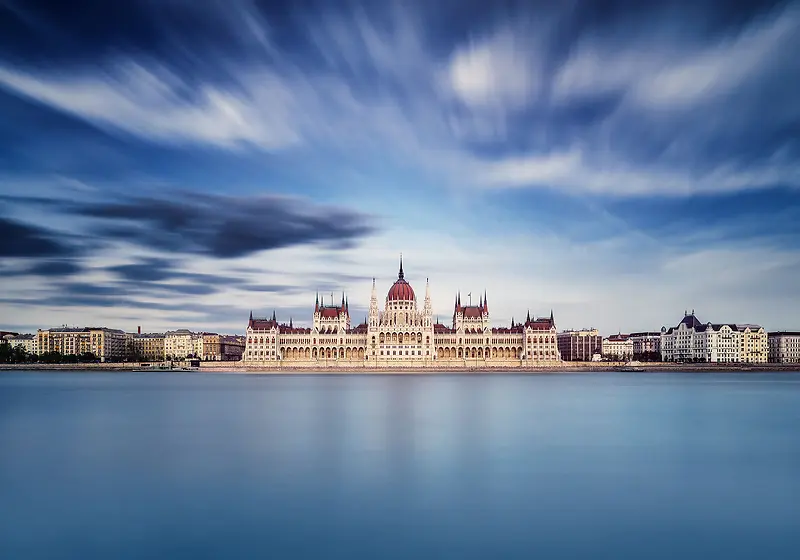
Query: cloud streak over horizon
[579, 148]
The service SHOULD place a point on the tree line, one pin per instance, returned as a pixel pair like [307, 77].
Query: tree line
[18, 355]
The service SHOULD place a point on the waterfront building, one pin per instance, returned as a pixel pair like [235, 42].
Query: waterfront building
[28, 342]
[694, 341]
[783, 347]
[231, 347]
[646, 346]
[618, 347]
[580, 345]
[148, 347]
[106, 344]
[401, 334]
[210, 347]
[182, 343]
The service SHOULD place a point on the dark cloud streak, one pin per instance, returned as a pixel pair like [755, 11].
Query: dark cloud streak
[225, 226]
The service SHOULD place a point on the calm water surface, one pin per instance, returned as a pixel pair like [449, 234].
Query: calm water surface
[110, 465]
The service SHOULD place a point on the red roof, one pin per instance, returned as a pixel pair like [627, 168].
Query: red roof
[329, 312]
[401, 291]
[262, 324]
[439, 328]
[472, 311]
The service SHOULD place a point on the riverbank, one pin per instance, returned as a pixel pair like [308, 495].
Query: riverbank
[566, 367]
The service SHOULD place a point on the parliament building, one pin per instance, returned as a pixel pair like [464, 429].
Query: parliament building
[401, 335]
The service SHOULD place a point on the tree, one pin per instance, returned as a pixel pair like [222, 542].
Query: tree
[87, 357]
[19, 355]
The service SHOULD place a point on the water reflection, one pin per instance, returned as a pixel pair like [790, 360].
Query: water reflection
[399, 466]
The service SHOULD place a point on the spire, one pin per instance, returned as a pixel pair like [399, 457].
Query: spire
[342, 300]
[528, 318]
[273, 316]
[316, 304]
[512, 322]
[459, 298]
[551, 314]
[346, 304]
[401, 275]
[480, 302]
[485, 301]
[290, 323]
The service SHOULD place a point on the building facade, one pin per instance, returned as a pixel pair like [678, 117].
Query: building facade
[210, 347]
[148, 347]
[694, 341]
[108, 345]
[646, 346]
[231, 347]
[401, 334]
[182, 344]
[28, 342]
[783, 347]
[580, 346]
[618, 347]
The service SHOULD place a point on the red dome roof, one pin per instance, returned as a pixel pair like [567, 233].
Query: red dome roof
[401, 290]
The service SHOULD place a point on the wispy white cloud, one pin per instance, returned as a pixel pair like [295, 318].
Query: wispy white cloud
[151, 102]
[654, 74]
[384, 90]
[572, 172]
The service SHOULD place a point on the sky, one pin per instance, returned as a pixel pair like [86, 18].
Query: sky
[178, 163]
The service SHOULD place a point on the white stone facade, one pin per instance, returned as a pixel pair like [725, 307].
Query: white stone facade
[182, 343]
[784, 347]
[693, 341]
[401, 334]
[618, 347]
[28, 342]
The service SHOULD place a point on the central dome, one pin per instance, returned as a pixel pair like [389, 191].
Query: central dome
[401, 290]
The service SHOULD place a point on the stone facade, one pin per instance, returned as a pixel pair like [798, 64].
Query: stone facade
[580, 346]
[182, 343]
[28, 342]
[646, 345]
[148, 346]
[618, 347]
[107, 344]
[401, 335]
[694, 341]
[784, 347]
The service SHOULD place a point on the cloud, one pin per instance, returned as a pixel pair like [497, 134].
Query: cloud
[151, 102]
[28, 241]
[661, 73]
[225, 226]
[496, 72]
[573, 172]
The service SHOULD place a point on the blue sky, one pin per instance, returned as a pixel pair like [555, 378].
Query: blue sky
[176, 163]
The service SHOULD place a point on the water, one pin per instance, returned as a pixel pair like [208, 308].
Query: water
[155, 465]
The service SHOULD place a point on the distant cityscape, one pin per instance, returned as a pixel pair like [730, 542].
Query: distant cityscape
[403, 335]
